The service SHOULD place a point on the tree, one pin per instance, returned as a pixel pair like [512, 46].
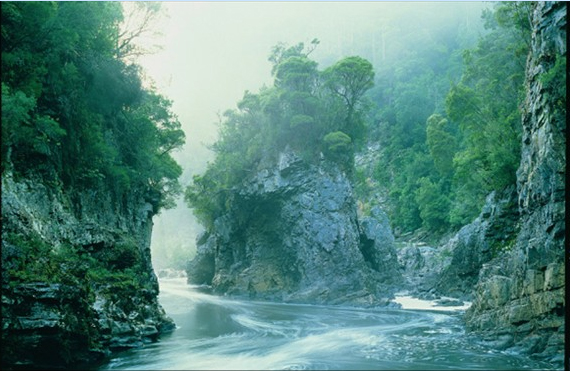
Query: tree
[138, 23]
[298, 112]
[433, 205]
[486, 102]
[69, 99]
[297, 73]
[280, 53]
[442, 144]
[339, 148]
[349, 79]
[462, 142]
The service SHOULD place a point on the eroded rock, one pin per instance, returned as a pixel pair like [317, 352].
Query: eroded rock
[75, 319]
[293, 234]
[522, 291]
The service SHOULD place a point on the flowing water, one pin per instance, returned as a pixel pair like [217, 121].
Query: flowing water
[220, 333]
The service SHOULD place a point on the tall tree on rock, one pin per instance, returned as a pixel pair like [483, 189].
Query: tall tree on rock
[349, 79]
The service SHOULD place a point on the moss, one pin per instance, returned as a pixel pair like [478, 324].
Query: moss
[30, 259]
[124, 254]
[27, 258]
[500, 246]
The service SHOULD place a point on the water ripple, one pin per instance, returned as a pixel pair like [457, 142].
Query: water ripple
[225, 334]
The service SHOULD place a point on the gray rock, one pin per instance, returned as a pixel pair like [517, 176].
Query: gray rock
[67, 323]
[378, 247]
[292, 234]
[522, 291]
[477, 243]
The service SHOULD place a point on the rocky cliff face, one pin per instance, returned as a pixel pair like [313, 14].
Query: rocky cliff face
[452, 269]
[76, 276]
[293, 234]
[520, 297]
[510, 260]
[492, 232]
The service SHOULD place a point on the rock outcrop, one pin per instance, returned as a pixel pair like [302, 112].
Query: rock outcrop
[452, 268]
[510, 260]
[521, 294]
[101, 293]
[293, 235]
[477, 243]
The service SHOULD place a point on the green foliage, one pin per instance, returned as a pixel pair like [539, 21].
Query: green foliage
[554, 84]
[299, 122]
[298, 111]
[28, 258]
[339, 148]
[442, 144]
[414, 164]
[409, 91]
[205, 198]
[25, 259]
[337, 142]
[123, 255]
[297, 74]
[349, 79]
[280, 53]
[485, 105]
[35, 136]
[433, 205]
[444, 149]
[74, 110]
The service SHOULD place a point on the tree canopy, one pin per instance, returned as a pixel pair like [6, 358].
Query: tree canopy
[313, 112]
[74, 110]
[448, 120]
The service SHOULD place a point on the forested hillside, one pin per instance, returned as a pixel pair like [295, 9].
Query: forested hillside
[446, 117]
[86, 163]
[73, 108]
[448, 123]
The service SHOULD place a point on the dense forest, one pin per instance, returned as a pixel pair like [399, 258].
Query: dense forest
[446, 118]
[77, 120]
[449, 138]
[73, 107]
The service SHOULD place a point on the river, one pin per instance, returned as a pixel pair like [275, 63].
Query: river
[221, 333]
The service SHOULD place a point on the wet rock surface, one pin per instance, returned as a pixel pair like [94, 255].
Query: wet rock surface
[510, 260]
[293, 235]
[47, 324]
[522, 292]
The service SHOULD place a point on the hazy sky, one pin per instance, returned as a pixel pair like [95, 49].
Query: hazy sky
[213, 51]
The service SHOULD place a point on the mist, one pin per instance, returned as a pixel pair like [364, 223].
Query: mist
[212, 52]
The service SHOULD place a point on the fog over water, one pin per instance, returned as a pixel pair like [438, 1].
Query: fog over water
[214, 51]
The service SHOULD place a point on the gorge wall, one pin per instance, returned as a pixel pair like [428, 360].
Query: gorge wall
[452, 269]
[520, 296]
[510, 260]
[292, 234]
[77, 282]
